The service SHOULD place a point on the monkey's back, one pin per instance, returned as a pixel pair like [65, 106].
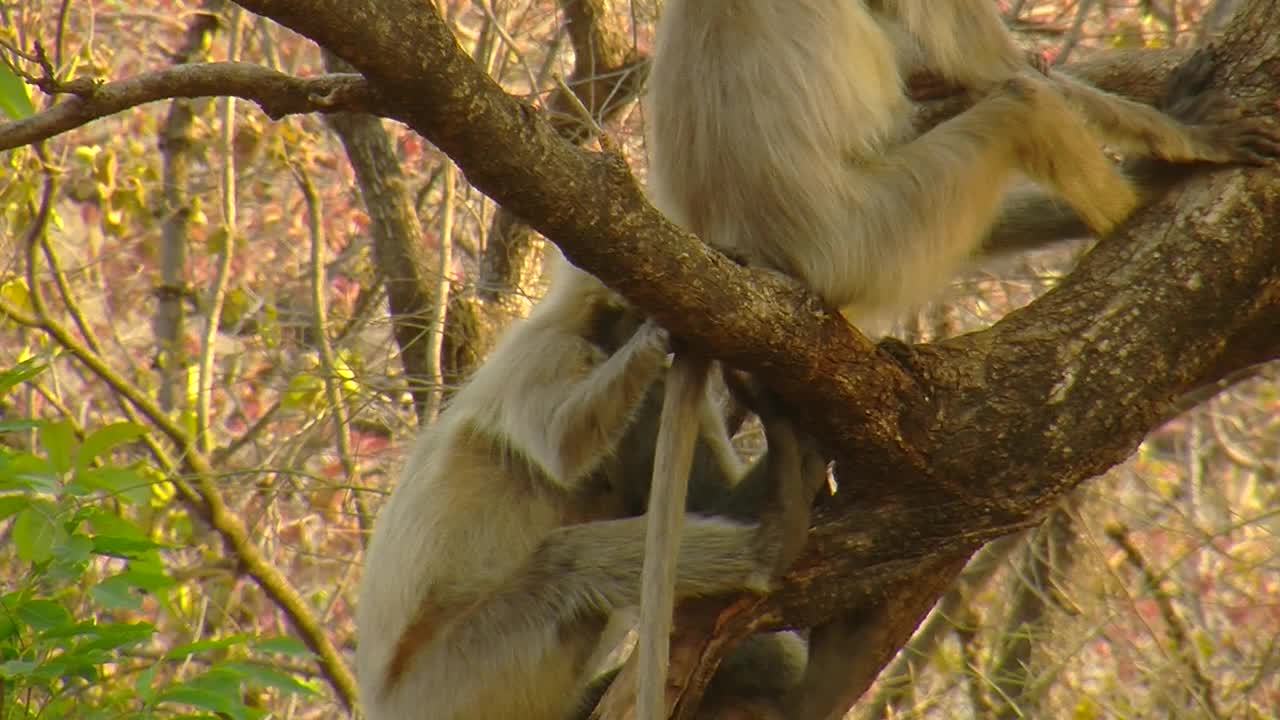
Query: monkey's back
[756, 110]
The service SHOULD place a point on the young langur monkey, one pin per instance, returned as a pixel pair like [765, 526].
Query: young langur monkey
[500, 555]
[780, 133]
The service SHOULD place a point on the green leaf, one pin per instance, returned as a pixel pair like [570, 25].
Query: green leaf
[75, 549]
[104, 439]
[59, 440]
[111, 525]
[142, 685]
[72, 664]
[123, 547]
[42, 614]
[284, 645]
[14, 99]
[113, 636]
[18, 425]
[16, 668]
[28, 472]
[268, 677]
[21, 372]
[115, 593]
[121, 483]
[117, 590]
[215, 700]
[34, 532]
[11, 504]
[200, 646]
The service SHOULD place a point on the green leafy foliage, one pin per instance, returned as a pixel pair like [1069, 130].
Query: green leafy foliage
[80, 571]
[14, 100]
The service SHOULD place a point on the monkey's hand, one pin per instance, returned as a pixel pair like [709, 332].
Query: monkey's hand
[652, 337]
[1217, 121]
[1038, 62]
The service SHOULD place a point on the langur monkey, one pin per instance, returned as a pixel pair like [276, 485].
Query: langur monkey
[780, 133]
[500, 555]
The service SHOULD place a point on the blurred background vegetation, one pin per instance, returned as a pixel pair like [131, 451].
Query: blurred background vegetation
[217, 333]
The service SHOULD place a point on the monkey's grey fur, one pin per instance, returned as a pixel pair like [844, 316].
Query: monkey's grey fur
[780, 133]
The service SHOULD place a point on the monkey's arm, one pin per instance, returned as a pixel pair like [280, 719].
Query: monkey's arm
[568, 428]
[1207, 128]
[967, 42]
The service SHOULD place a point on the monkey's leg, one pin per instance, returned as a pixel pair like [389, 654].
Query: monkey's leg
[967, 41]
[594, 568]
[834, 650]
[673, 458]
[1058, 150]
[939, 195]
[1031, 219]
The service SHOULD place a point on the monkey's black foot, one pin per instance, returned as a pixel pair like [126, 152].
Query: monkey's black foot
[902, 353]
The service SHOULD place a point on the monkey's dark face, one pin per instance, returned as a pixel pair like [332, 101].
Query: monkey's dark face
[611, 325]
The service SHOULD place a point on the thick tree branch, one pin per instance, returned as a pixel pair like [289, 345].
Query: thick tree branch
[589, 204]
[607, 76]
[276, 93]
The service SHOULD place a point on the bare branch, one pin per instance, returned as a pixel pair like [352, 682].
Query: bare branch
[276, 93]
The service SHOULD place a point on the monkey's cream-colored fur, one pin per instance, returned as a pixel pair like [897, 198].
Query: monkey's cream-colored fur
[497, 561]
[799, 154]
[780, 133]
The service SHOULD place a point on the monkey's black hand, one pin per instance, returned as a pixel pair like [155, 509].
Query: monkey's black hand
[1191, 97]
[1038, 62]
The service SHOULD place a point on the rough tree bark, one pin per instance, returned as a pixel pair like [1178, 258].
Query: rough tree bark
[974, 437]
[607, 75]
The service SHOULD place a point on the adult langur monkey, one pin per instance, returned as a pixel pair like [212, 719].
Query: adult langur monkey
[511, 538]
[780, 134]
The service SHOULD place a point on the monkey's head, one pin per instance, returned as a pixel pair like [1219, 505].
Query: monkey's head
[576, 296]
